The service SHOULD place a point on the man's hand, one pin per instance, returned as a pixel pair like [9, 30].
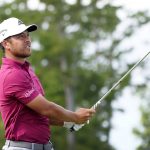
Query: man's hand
[83, 115]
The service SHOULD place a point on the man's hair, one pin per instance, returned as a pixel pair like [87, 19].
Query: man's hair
[2, 48]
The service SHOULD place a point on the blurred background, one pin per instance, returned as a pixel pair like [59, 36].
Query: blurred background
[81, 48]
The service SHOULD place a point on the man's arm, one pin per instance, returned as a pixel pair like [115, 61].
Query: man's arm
[46, 108]
[56, 122]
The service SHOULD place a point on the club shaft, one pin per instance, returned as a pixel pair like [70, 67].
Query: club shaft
[116, 84]
[75, 127]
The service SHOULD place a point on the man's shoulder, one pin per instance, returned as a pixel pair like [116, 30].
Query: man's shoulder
[14, 75]
[4, 73]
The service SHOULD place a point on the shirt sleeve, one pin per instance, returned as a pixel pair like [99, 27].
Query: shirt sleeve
[20, 86]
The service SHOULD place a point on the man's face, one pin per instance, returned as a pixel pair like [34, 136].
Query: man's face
[19, 45]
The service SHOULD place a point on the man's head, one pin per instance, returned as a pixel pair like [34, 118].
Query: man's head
[14, 37]
[13, 26]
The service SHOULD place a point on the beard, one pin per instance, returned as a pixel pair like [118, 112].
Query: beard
[24, 53]
[21, 55]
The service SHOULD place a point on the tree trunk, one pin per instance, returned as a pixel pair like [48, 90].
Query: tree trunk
[69, 98]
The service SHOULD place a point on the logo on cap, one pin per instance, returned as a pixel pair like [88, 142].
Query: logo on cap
[20, 22]
[3, 32]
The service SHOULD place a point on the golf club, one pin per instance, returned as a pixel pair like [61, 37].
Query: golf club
[76, 127]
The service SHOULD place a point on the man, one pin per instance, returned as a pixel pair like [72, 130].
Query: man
[25, 111]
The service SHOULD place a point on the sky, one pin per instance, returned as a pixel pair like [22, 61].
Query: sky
[134, 5]
[122, 137]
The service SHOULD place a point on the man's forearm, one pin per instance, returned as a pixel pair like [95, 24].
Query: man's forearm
[59, 113]
[51, 110]
[55, 122]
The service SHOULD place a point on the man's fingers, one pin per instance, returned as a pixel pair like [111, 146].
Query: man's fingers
[92, 112]
[84, 114]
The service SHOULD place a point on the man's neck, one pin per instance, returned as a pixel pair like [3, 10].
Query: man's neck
[21, 60]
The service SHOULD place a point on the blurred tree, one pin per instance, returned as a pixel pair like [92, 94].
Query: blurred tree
[72, 72]
[142, 90]
[144, 131]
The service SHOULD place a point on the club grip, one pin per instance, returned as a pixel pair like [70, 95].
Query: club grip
[76, 127]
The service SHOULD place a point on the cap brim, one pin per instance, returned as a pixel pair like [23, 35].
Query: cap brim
[32, 28]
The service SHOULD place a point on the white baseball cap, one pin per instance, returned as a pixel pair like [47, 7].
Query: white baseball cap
[13, 26]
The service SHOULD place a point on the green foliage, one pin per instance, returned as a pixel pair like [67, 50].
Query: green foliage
[2, 139]
[145, 131]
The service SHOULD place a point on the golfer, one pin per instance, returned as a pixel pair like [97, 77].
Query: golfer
[27, 115]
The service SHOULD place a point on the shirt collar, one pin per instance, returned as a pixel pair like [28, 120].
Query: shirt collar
[11, 62]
